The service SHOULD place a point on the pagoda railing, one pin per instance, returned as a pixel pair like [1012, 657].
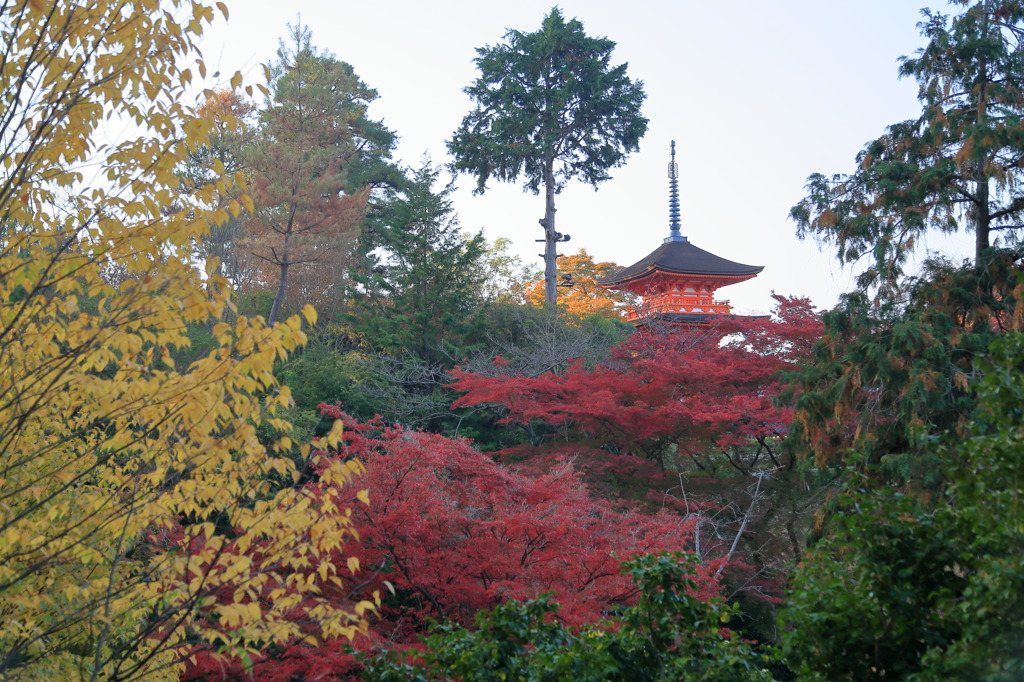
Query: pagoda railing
[705, 308]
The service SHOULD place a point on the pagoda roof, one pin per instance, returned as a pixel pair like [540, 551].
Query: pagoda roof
[693, 319]
[679, 257]
[684, 318]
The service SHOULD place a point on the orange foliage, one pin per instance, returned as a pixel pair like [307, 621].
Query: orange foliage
[224, 105]
[579, 293]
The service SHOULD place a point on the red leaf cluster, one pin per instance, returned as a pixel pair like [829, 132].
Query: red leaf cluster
[455, 532]
[714, 389]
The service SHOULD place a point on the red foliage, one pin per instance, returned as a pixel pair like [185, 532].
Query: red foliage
[692, 401]
[695, 391]
[455, 532]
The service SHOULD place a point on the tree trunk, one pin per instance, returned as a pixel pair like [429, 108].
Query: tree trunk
[550, 237]
[981, 225]
[275, 309]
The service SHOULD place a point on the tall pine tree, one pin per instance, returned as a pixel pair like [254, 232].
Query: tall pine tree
[550, 107]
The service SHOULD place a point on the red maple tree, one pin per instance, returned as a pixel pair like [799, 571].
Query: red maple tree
[456, 532]
[686, 420]
[453, 532]
[659, 394]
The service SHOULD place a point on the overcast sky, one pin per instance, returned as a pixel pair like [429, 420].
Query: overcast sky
[758, 95]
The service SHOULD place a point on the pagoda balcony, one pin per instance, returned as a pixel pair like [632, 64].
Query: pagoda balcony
[706, 307]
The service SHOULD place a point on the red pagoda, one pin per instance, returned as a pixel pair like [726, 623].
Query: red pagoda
[677, 281]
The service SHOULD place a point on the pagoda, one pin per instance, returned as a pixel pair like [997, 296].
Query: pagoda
[677, 281]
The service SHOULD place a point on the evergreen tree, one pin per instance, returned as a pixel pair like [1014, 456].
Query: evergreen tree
[670, 633]
[888, 378]
[956, 166]
[893, 370]
[313, 158]
[926, 587]
[418, 290]
[550, 107]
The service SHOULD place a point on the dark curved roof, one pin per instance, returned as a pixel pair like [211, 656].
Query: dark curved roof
[683, 258]
[699, 318]
[685, 318]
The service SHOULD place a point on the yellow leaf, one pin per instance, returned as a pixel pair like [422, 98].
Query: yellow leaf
[110, 440]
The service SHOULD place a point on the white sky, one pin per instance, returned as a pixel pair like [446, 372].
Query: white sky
[758, 95]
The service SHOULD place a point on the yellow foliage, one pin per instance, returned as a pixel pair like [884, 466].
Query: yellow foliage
[103, 441]
[580, 295]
